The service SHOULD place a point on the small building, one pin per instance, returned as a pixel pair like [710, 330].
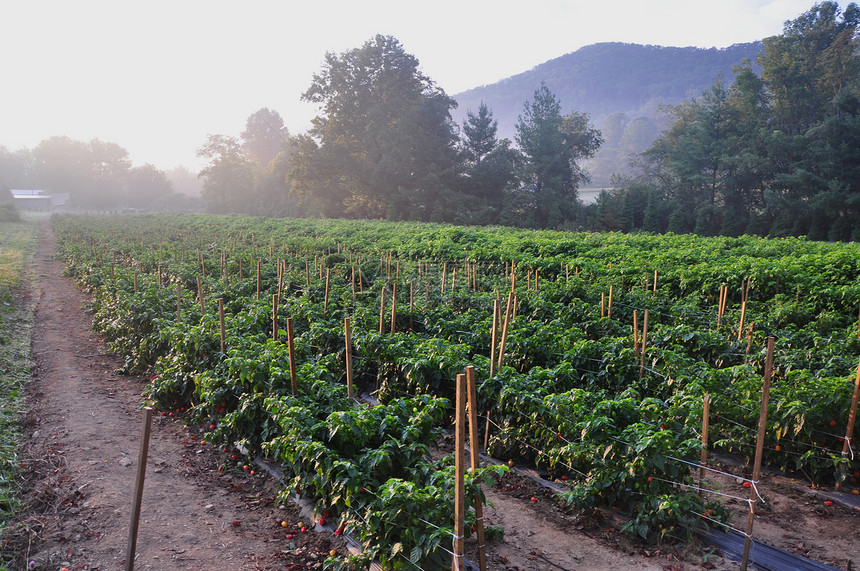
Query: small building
[36, 200]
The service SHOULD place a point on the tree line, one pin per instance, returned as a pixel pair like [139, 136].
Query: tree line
[771, 153]
[775, 154]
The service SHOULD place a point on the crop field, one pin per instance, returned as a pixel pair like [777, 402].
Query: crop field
[595, 357]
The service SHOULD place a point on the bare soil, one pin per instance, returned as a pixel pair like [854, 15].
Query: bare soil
[201, 510]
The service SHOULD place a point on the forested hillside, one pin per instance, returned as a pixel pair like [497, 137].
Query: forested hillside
[621, 86]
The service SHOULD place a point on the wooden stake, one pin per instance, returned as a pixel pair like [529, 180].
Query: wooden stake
[458, 563]
[852, 416]
[655, 282]
[259, 272]
[444, 276]
[644, 344]
[497, 310]
[743, 315]
[221, 323]
[635, 332]
[475, 461]
[291, 351]
[178, 302]
[505, 330]
[602, 304]
[138, 489]
[135, 289]
[706, 415]
[609, 309]
[327, 279]
[762, 425]
[382, 311]
[347, 335]
[159, 276]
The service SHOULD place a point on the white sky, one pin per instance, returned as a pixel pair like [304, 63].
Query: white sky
[157, 76]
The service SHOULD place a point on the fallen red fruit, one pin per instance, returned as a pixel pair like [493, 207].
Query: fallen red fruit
[236, 522]
[303, 530]
[534, 499]
[211, 427]
[747, 485]
[828, 503]
[322, 521]
[339, 531]
[289, 536]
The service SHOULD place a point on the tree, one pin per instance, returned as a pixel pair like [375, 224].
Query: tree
[383, 144]
[551, 144]
[264, 137]
[109, 164]
[148, 188]
[229, 183]
[489, 167]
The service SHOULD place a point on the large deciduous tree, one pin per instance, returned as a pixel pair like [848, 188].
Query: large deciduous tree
[229, 183]
[264, 137]
[383, 144]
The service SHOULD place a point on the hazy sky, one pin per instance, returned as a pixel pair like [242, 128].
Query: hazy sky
[157, 76]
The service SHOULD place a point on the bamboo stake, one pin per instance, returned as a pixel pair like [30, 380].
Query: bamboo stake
[352, 279]
[348, 339]
[762, 425]
[274, 317]
[308, 273]
[655, 282]
[291, 351]
[135, 289]
[458, 563]
[475, 461]
[644, 344]
[444, 276]
[852, 416]
[602, 304]
[382, 311]
[178, 302]
[138, 489]
[706, 416]
[743, 315]
[241, 270]
[221, 323]
[394, 308]
[159, 276]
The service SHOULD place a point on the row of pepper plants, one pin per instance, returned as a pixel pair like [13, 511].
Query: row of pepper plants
[573, 397]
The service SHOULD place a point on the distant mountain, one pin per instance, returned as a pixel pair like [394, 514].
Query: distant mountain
[621, 86]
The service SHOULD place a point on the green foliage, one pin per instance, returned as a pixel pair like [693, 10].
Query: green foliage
[574, 396]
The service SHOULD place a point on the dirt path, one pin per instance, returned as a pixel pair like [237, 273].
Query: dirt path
[81, 463]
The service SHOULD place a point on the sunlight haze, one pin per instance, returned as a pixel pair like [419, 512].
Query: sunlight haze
[156, 77]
